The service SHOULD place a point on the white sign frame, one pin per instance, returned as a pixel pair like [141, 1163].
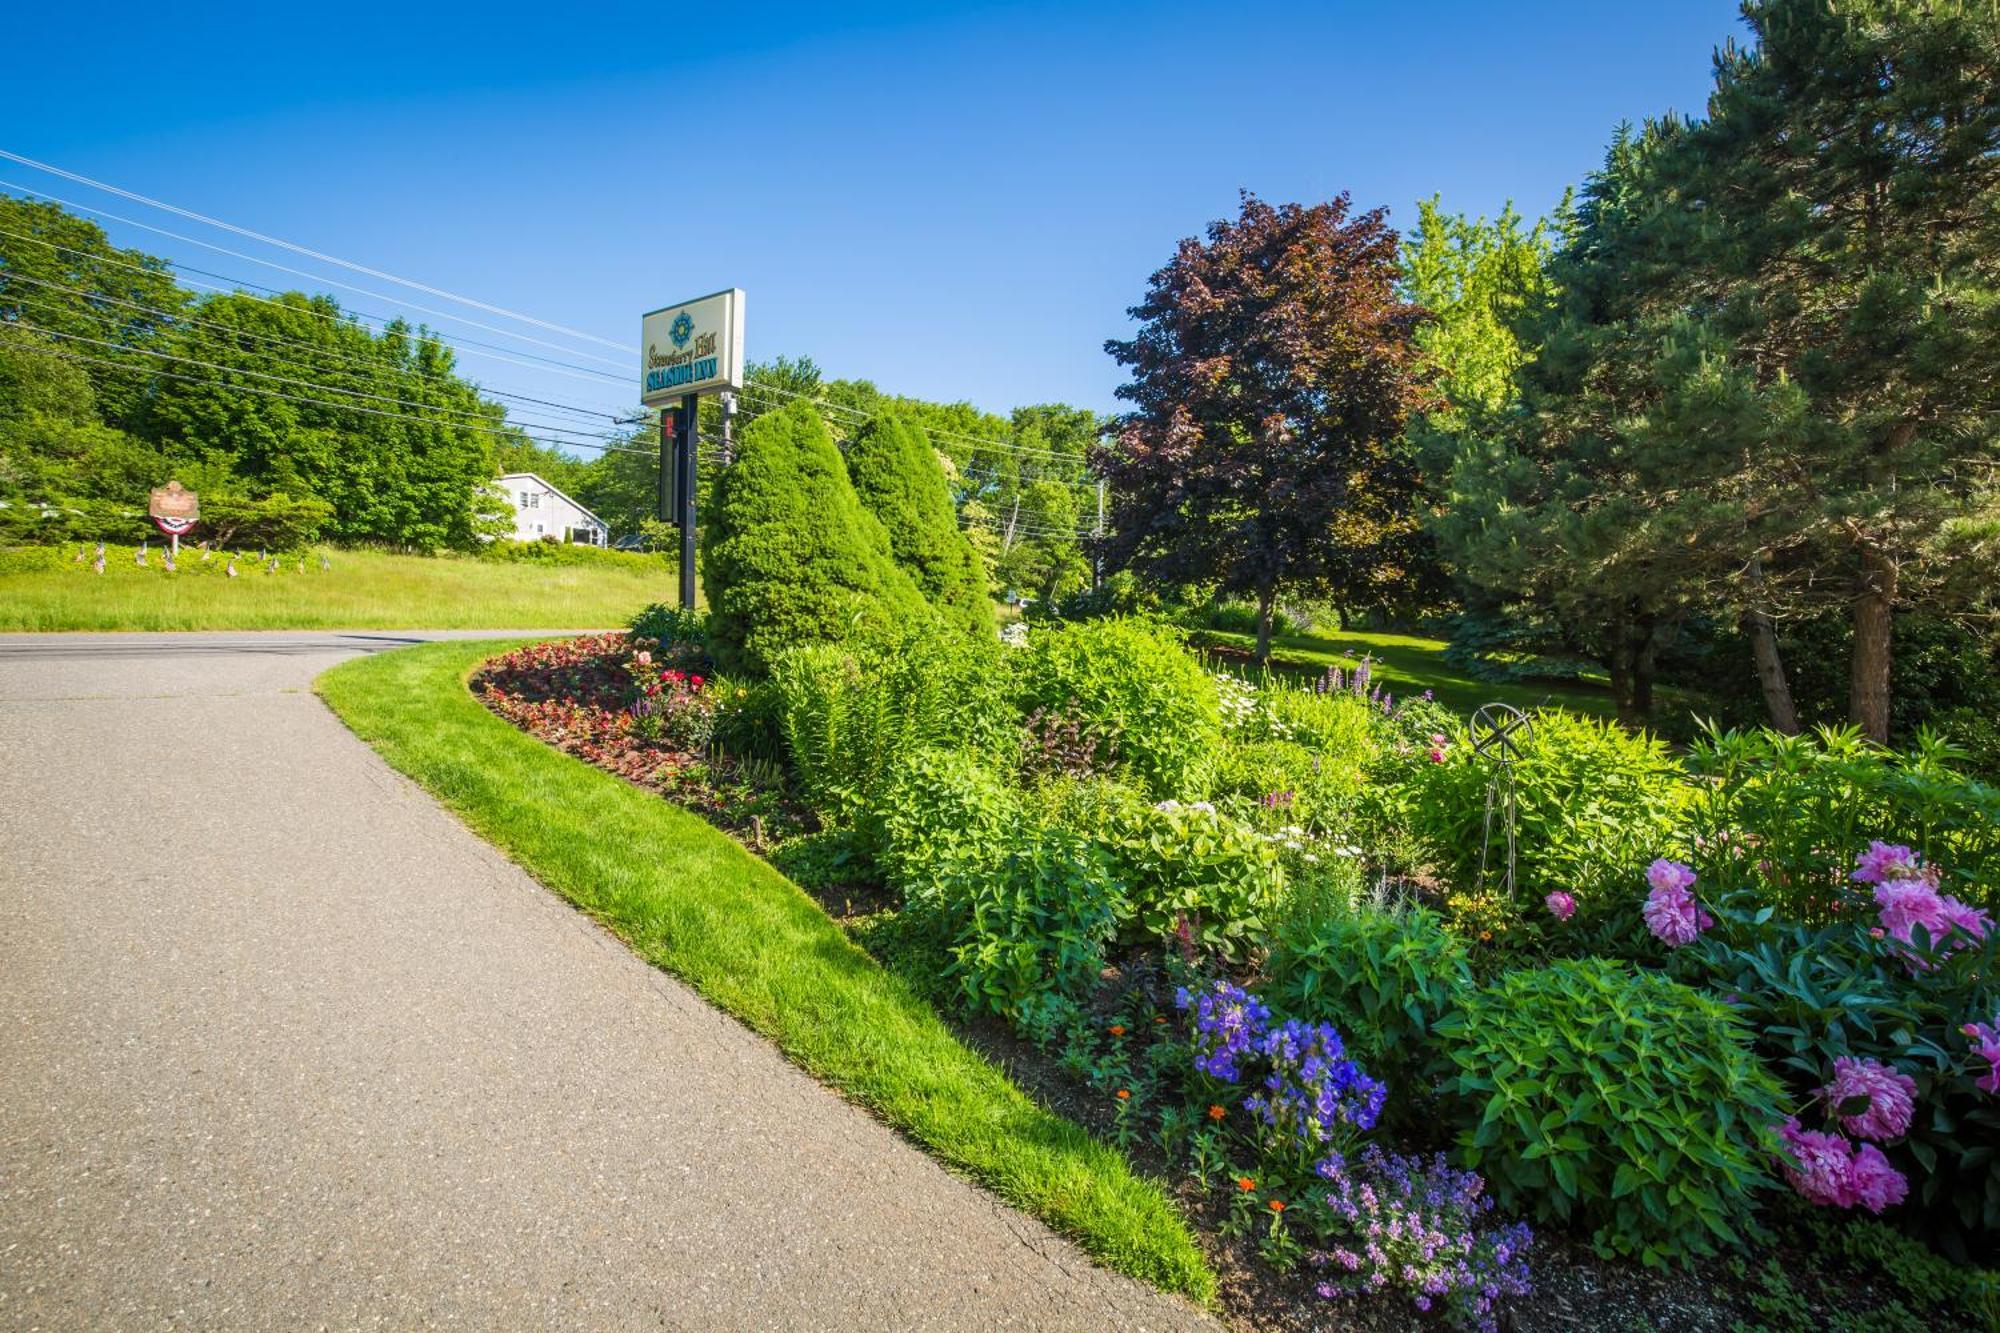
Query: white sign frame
[708, 358]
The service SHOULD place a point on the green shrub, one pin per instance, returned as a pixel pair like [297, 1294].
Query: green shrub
[789, 556]
[1241, 618]
[1596, 806]
[1341, 728]
[900, 481]
[1810, 994]
[848, 713]
[1190, 866]
[227, 522]
[1134, 680]
[1279, 783]
[1384, 978]
[944, 813]
[1784, 815]
[669, 625]
[1032, 937]
[1622, 1101]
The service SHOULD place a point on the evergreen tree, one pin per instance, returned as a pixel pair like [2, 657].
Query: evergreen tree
[789, 555]
[900, 480]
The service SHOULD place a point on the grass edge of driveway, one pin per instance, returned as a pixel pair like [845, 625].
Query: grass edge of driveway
[688, 899]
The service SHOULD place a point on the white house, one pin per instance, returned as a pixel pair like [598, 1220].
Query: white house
[540, 510]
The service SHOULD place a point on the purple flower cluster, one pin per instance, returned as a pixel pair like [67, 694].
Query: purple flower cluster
[1229, 1022]
[1313, 1091]
[1420, 1226]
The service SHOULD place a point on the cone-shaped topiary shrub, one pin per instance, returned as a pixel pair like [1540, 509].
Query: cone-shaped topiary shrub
[790, 556]
[897, 475]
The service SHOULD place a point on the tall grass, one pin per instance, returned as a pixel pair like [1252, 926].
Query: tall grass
[44, 588]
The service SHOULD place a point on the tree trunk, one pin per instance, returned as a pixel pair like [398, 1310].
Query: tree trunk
[1267, 600]
[1619, 664]
[1645, 651]
[1868, 678]
[1763, 634]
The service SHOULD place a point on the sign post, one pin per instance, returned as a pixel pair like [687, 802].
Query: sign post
[689, 349]
[174, 510]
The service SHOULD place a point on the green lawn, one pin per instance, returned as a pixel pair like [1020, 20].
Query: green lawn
[42, 589]
[692, 901]
[1409, 664]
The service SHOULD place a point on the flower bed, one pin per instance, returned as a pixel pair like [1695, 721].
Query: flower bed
[1366, 1072]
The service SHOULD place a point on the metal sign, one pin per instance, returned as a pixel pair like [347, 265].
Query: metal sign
[173, 508]
[695, 347]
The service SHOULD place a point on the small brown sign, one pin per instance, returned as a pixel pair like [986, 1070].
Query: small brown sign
[174, 501]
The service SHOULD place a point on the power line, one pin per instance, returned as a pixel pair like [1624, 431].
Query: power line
[331, 353]
[510, 434]
[420, 334]
[302, 273]
[858, 415]
[307, 384]
[313, 254]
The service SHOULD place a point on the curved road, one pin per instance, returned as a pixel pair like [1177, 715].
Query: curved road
[282, 1045]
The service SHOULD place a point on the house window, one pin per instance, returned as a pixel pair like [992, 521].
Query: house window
[531, 501]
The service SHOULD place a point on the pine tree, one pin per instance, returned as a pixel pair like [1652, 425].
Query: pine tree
[789, 556]
[899, 479]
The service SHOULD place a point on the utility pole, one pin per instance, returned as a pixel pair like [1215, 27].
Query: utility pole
[1096, 549]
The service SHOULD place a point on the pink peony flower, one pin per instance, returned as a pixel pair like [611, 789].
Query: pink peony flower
[1891, 1094]
[1665, 874]
[643, 658]
[1908, 903]
[1437, 755]
[1671, 911]
[1986, 1039]
[1972, 920]
[1872, 1182]
[1884, 862]
[1561, 906]
[1820, 1167]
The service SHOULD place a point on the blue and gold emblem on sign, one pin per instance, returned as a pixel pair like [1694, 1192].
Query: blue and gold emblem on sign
[681, 329]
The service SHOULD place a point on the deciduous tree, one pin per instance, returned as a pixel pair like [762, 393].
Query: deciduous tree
[1273, 373]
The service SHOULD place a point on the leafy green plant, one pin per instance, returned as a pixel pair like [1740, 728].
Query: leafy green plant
[1809, 994]
[1596, 804]
[671, 626]
[848, 712]
[1278, 782]
[1197, 877]
[944, 814]
[1384, 978]
[1035, 929]
[1785, 814]
[1616, 1099]
[1136, 682]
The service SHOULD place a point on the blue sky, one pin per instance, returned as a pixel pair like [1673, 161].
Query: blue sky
[953, 201]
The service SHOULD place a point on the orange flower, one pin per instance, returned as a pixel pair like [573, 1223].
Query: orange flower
[1277, 1205]
[1117, 1029]
[1124, 1093]
[1245, 1184]
[1216, 1113]
[1159, 1018]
